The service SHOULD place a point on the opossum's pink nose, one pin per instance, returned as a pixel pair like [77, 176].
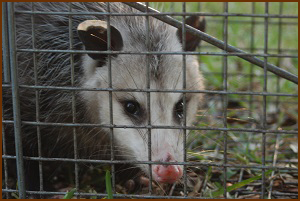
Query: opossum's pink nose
[167, 173]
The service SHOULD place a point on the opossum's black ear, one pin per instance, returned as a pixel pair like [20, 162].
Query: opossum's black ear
[192, 42]
[93, 34]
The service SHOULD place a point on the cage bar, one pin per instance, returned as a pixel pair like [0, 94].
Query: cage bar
[16, 102]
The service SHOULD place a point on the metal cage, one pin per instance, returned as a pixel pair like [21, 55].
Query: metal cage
[250, 62]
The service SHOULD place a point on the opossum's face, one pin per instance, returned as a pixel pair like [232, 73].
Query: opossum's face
[130, 109]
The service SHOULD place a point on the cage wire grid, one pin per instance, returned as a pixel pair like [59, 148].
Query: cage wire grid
[10, 80]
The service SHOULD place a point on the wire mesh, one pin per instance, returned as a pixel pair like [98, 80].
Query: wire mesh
[248, 128]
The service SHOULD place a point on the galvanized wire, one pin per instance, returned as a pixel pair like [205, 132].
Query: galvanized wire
[155, 53]
[75, 141]
[253, 23]
[111, 119]
[5, 165]
[264, 118]
[5, 49]
[16, 101]
[153, 127]
[6, 78]
[37, 102]
[225, 96]
[157, 14]
[184, 99]
[149, 99]
[189, 163]
[152, 90]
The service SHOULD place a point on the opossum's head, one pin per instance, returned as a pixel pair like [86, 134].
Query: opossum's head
[130, 108]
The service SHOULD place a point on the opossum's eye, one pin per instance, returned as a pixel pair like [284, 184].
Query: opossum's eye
[179, 109]
[132, 107]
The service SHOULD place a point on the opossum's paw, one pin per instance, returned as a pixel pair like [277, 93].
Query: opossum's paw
[143, 181]
[157, 188]
[140, 185]
[132, 185]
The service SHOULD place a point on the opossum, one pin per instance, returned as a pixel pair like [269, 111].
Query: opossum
[128, 71]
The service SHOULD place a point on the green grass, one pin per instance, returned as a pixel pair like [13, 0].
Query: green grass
[220, 192]
[70, 194]
[108, 185]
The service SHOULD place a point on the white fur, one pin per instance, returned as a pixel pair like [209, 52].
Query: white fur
[163, 140]
[130, 71]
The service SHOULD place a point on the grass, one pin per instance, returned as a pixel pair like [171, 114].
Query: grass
[220, 192]
[108, 185]
[70, 194]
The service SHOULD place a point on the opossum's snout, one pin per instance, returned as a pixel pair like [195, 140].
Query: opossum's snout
[167, 173]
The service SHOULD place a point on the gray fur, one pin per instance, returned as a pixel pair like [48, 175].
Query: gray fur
[128, 71]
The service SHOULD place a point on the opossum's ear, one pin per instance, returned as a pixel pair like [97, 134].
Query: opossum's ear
[93, 34]
[192, 42]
